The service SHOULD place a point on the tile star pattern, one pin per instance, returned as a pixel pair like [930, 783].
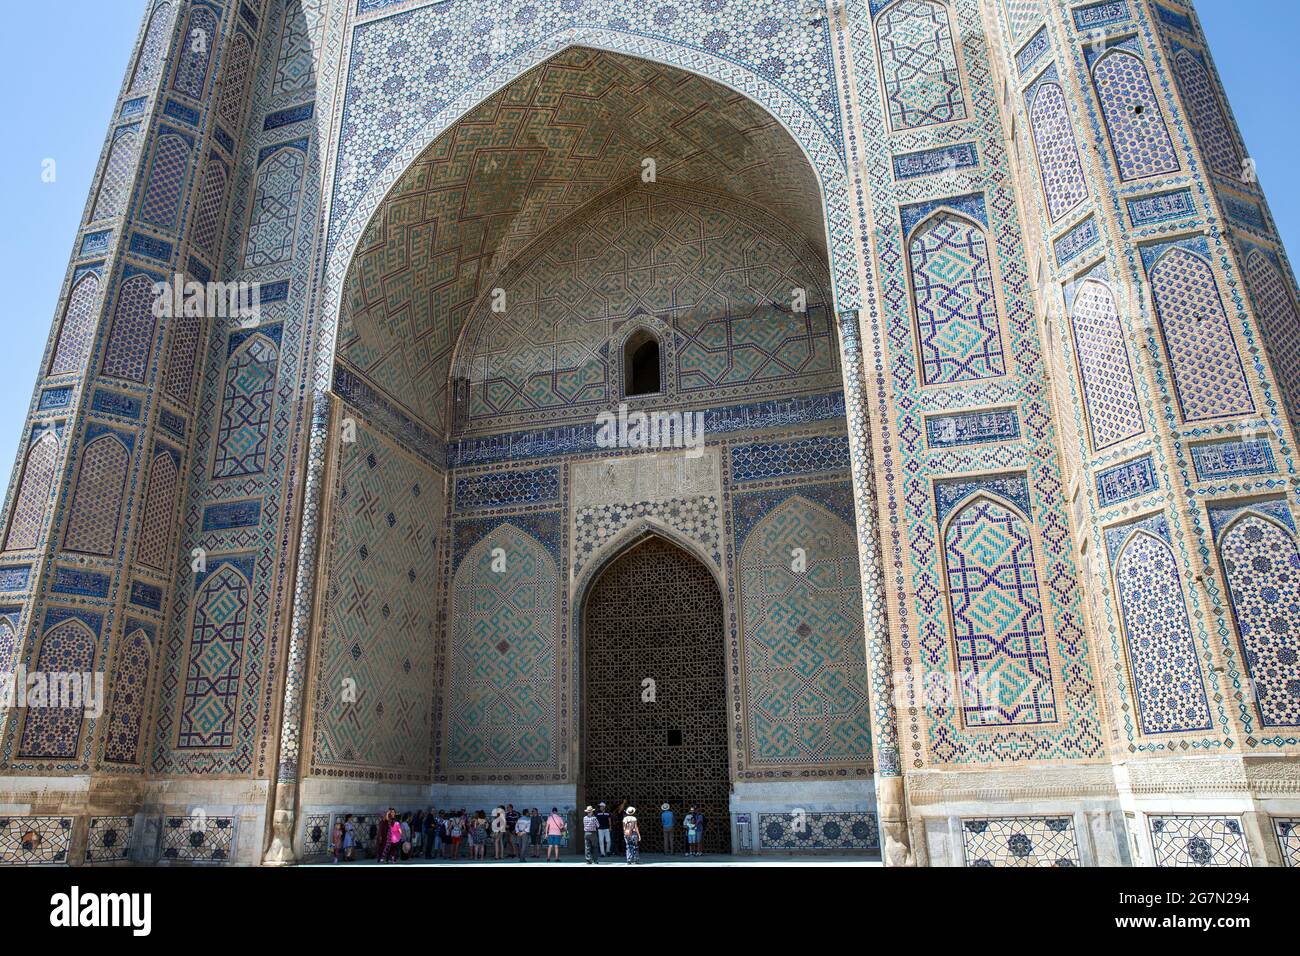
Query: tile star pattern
[1262, 566]
[1198, 841]
[1020, 841]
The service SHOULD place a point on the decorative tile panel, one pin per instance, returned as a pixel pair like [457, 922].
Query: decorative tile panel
[812, 830]
[1196, 841]
[1261, 562]
[1020, 841]
[28, 841]
[111, 839]
[1132, 479]
[197, 839]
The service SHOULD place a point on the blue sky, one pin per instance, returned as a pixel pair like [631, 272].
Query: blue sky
[63, 71]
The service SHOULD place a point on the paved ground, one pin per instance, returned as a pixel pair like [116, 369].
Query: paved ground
[648, 859]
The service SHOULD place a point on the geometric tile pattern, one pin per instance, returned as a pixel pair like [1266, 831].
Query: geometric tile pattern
[78, 326]
[110, 839]
[130, 339]
[97, 501]
[293, 69]
[1212, 133]
[956, 312]
[1207, 372]
[34, 840]
[1288, 839]
[1138, 134]
[501, 709]
[1262, 566]
[162, 195]
[1114, 413]
[28, 514]
[695, 518]
[8, 642]
[1058, 153]
[1020, 841]
[497, 489]
[197, 839]
[274, 220]
[207, 717]
[178, 376]
[318, 835]
[234, 81]
[1004, 670]
[149, 63]
[130, 696]
[118, 173]
[779, 459]
[799, 830]
[805, 668]
[1195, 841]
[195, 52]
[1162, 652]
[51, 732]
[246, 409]
[1276, 312]
[375, 676]
[919, 63]
[207, 218]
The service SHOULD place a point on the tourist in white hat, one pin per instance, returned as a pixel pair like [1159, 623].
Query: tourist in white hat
[590, 836]
[666, 816]
[631, 836]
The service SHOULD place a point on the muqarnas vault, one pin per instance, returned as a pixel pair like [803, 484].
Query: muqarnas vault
[988, 555]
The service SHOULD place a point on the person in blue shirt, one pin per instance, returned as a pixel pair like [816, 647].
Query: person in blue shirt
[666, 815]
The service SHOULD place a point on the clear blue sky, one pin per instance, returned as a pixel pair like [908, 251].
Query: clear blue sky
[63, 64]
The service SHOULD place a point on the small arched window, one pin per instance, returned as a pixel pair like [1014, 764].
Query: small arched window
[641, 371]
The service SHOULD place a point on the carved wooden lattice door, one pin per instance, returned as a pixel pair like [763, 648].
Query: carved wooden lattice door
[656, 613]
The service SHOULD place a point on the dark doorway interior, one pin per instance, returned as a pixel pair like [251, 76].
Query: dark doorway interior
[655, 613]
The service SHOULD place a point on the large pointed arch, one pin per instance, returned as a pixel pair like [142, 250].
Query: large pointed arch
[356, 215]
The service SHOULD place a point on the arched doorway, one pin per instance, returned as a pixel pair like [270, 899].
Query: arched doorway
[654, 727]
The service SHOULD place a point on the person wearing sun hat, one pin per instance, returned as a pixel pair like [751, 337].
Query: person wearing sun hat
[631, 836]
[666, 815]
[591, 836]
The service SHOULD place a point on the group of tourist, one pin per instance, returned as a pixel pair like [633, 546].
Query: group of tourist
[597, 833]
[444, 834]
